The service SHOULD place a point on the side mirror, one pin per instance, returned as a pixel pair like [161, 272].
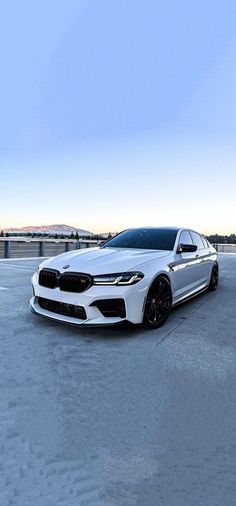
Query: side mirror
[186, 248]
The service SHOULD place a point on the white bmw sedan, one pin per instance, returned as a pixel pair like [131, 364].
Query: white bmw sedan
[137, 276]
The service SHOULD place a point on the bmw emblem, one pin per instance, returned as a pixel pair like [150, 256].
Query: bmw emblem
[66, 266]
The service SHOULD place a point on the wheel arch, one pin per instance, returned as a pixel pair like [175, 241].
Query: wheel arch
[163, 274]
[152, 283]
[215, 263]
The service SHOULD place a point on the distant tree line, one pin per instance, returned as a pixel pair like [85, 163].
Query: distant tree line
[222, 239]
[74, 235]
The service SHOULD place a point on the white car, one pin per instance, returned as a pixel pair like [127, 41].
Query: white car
[136, 276]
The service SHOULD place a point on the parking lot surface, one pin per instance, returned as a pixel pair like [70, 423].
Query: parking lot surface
[118, 417]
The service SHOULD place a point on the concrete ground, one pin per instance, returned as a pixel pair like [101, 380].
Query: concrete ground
[118, 417]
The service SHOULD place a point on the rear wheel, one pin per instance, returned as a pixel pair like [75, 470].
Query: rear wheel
[158, 304]
[214, 278]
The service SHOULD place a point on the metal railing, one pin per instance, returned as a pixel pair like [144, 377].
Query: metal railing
[15, 247]
[18, 247]
[225, 248]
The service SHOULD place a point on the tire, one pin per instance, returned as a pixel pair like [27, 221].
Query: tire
[214, 278]
[158, 304]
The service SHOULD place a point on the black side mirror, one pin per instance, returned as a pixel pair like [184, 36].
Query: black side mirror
[186, 248]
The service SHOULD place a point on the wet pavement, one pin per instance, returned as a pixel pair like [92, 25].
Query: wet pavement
[118, 417]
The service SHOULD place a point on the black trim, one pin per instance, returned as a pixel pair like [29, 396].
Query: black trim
[75, 282]
[186, 248]
[49, 278]
[189, 297]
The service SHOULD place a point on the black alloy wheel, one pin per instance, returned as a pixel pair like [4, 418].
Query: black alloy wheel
[214, 278]
[158, 304]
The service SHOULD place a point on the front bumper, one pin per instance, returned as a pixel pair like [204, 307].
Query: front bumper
[133, 297]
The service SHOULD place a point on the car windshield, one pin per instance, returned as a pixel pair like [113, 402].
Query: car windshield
[144, 238]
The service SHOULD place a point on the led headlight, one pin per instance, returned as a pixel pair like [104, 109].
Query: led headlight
[122, 278]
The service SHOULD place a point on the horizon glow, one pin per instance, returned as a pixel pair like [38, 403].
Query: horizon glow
[118, 114]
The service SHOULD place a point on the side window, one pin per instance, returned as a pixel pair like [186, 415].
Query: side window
[204, 242]
[197, 240]
[185, 238]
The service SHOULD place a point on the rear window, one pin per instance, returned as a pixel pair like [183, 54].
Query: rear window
[144, 238]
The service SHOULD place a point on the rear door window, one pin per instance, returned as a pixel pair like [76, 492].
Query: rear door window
[197, 240]
[205, 243]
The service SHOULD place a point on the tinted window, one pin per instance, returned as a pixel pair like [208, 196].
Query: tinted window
[185, 238]
[197, 240]
[206, 245]
[144, 238]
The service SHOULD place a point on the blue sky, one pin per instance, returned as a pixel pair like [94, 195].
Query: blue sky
[118, 113]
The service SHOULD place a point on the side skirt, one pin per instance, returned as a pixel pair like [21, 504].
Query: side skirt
[189, 296]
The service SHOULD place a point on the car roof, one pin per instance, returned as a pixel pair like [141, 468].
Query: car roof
[158, 228]
[165, 228]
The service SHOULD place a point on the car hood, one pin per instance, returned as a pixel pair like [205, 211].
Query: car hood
[103, 260]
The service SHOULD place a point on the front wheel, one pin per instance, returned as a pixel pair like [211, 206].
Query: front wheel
[214, 278]
[158, 304]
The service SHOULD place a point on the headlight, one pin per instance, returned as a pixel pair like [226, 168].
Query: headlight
[122, 278]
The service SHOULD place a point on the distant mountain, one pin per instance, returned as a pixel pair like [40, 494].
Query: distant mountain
[49, 229]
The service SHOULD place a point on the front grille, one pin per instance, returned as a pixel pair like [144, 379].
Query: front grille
[48, 278]
[75, 282]
[111, 307]
[62, 308]
[67, 282]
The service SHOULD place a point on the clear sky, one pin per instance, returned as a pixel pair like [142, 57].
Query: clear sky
[118, 113]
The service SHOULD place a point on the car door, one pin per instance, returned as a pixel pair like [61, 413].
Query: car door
[184, 268]
[203, 258]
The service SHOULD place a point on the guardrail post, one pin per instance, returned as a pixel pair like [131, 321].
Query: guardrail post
[77, 245]
[7, 249]
[41, 248]
[67, 246]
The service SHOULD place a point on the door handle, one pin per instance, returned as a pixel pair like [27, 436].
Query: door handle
[196, 256]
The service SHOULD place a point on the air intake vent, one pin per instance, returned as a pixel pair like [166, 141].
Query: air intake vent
[64, 309]
[111, 308]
